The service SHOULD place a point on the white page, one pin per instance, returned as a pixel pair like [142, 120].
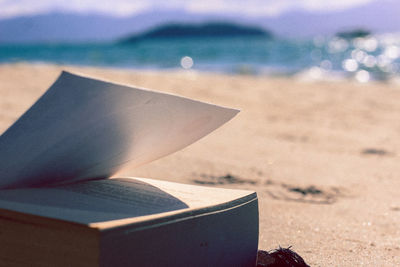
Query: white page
[113, 199]
[92, 201]
[83, 128]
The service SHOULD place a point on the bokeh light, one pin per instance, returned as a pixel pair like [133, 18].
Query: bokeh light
[187, 62]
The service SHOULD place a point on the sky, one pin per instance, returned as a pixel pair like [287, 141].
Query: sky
[12, 8]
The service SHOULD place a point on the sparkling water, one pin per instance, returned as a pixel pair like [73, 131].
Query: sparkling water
[362, 59]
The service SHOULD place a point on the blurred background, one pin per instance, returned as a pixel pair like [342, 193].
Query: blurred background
[342, 39]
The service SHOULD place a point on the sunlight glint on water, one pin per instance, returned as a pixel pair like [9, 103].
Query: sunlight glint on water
[376, 57]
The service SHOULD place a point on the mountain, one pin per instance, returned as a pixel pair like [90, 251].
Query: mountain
[378, 17]
[357, 33]
[213, 29]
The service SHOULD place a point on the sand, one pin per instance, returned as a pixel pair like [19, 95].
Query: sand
[323, 156]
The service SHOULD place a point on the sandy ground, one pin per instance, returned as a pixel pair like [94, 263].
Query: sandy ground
[323, 156]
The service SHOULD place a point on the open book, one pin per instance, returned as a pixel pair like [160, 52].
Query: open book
[58, 209]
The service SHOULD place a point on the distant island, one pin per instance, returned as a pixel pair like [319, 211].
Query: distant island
[357, 33]
[215, 30]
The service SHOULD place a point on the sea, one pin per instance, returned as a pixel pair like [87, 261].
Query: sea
[364, 59]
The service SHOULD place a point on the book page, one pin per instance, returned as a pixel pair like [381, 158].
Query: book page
[113, 199]
[84, 128]
[92, 201]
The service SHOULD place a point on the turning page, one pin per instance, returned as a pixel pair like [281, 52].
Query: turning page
[83, 128]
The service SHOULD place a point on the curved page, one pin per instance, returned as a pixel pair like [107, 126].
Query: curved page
[83, 128]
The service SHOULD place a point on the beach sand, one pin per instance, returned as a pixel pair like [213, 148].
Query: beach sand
[323, 156]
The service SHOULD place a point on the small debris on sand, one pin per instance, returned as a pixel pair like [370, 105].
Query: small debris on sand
[221, 180]
[375, 151]
[281, 257]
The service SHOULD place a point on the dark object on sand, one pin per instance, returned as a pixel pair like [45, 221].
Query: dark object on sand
[375, 151]
[311, 190]
[281, 257]
[221, 180]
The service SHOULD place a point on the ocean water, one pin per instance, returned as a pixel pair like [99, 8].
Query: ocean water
[362, 59]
